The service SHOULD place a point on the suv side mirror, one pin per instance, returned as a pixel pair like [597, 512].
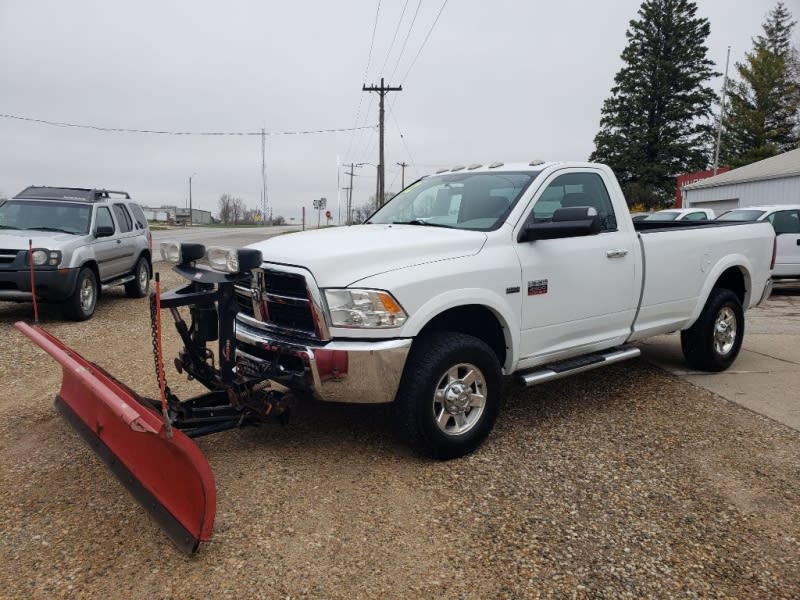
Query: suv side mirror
[567, 222]
[104, 231]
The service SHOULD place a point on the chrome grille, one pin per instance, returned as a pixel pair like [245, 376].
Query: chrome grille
[280, 301]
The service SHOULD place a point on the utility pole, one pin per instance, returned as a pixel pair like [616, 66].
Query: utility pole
[352, 166]
[722, 111]
[402, 166]
[382, 91]
[191, 214]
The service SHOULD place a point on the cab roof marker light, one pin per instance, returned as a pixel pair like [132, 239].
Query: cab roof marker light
[442, 171]
[458, 168]
[535, 163]
[474, 166]
[494, 165]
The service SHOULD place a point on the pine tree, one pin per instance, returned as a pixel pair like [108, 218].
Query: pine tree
[656, 123]
[764, 116]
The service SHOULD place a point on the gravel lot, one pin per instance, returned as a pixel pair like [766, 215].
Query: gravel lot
[625, 482]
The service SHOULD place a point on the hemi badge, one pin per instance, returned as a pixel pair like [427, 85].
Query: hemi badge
[538, 287]
[512, 290]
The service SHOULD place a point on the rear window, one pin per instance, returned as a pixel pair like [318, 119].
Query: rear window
[123, 218]
[664, 215]
[741, 215]
[138, 215]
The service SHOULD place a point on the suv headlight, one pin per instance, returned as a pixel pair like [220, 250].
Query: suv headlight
[42, 257]
[368, 309]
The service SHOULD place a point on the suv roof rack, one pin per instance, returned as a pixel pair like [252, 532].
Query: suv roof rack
[69, 193]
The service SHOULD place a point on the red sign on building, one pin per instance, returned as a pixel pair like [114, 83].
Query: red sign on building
[687, 178]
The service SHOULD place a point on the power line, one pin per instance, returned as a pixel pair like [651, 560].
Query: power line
[186, 133]
[405, 41]
[394, 37]
[436, 20]
[366, 72]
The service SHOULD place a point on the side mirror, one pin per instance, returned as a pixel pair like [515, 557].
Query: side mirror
[104, 231]
[567, 222]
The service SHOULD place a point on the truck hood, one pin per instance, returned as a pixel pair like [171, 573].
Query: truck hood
[340, 256]
[17, 239]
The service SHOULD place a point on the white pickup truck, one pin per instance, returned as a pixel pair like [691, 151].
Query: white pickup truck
[532, 270]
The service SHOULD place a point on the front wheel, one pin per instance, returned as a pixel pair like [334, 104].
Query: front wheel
[449, 395]
[80, 306]
[714, 341]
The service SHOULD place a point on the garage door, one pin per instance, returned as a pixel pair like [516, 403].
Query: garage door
[718, 206]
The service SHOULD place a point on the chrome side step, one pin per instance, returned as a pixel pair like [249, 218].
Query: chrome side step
[116, 282]
[587, 362]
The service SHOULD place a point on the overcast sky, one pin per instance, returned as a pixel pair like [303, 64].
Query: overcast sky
[497, 80]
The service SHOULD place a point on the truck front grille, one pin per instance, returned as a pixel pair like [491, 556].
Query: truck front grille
[279, 300]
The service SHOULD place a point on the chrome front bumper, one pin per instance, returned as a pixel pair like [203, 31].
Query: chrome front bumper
[362, 372]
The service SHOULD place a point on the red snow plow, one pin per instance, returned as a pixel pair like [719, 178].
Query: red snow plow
[146, 442]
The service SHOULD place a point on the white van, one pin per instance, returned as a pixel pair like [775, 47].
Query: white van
[785, 220]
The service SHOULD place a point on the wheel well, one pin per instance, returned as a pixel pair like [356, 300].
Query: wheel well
[475, 320]
[146, 254]
[732, 279]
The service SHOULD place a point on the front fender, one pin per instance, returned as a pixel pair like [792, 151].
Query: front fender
[442, 302]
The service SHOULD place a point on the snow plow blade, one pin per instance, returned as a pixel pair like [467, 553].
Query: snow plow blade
[170, 477]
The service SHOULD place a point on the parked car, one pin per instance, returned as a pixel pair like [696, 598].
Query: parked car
[83, 241]
[681, 214]
[785, 220]
[638, 216]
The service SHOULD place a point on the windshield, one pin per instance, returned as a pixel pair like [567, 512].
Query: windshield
[478, 201]
[741, 215]
[66, 217]
[664, 215]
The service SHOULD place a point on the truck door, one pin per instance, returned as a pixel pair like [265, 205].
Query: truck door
[787, 229]
[578, 292]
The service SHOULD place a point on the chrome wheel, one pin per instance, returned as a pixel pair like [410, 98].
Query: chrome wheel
[87, 295]
[724, 331]
[459, 399]
[142, 277]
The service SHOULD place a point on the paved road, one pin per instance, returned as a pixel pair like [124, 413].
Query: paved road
[766, 376]
[219, 236]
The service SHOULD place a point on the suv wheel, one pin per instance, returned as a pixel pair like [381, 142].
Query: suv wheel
[140, 285]
[80, 306]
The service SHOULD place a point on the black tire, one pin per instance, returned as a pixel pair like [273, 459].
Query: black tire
[427, 381]
[80, 306]
[709, 344]
[140, 285]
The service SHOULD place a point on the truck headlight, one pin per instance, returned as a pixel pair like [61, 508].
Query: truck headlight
[231, 260]
[368, 309]
[42, 257]
[182, 253]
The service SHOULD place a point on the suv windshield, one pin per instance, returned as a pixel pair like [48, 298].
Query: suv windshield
[663, 215]
[67, 217]
[478, 201]
[740, 215]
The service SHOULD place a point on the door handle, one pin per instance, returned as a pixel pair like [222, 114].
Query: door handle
[119, 241]
[618, 253]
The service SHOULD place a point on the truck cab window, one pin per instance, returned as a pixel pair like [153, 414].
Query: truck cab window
[575, 189]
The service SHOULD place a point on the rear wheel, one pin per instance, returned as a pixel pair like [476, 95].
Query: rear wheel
[714, 341]
[449, 395]
[80, 306]
[140, 285]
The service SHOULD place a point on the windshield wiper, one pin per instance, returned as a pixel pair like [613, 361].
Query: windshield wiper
[421, 222]
[57, 229]
[8, 227]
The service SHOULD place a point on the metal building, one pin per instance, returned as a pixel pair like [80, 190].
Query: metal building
[775, 180]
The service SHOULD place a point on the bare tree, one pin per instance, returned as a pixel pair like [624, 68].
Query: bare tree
[238, 209]
[226, 208]
[278, 220]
